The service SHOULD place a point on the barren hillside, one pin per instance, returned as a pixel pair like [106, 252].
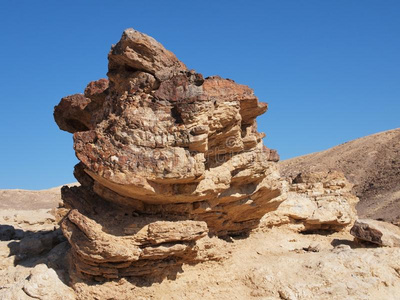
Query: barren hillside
[30, 200]
[372, 163]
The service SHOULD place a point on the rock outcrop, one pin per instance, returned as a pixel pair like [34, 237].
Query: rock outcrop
[166, 158]
[376, 232]
[317, 201]
[370, 163]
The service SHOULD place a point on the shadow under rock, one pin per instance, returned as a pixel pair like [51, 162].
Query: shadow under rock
[8, 233]
[31, 248]
[353, 244]
[324, 232]
[232, 238]
[169, 273]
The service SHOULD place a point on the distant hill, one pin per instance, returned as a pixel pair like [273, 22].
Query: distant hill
[31, 200]
[372, 163]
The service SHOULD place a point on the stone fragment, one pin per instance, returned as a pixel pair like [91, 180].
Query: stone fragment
[377, 232]
[312, 248]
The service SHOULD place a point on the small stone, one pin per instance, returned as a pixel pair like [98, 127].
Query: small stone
[312, 248]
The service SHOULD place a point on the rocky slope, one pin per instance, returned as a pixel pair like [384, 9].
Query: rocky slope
[371, 163]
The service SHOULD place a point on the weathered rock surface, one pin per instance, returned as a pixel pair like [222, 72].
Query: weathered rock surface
[377, 232]
[317, 201]
[143, 247]
[39, 282]
[161, 149]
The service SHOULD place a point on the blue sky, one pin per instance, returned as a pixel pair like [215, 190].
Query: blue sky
[330, 70]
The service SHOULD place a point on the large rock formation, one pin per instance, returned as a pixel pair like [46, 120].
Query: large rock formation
[166, 157]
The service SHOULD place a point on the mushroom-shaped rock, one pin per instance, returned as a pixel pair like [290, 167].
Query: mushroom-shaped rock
[158, 142]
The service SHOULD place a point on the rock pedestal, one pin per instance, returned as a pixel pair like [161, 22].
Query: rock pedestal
[166, 158]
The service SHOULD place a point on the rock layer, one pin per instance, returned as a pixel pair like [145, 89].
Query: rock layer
[162, 151]
[317, 201]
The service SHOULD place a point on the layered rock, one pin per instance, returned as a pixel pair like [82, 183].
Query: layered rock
[317, 201]
[166, 157]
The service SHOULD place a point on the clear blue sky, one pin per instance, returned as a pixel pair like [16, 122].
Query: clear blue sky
[330, 70]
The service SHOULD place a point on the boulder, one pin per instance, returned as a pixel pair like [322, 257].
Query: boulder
[317, 201]
[43, 283]
[377, 232]
[34, 244]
